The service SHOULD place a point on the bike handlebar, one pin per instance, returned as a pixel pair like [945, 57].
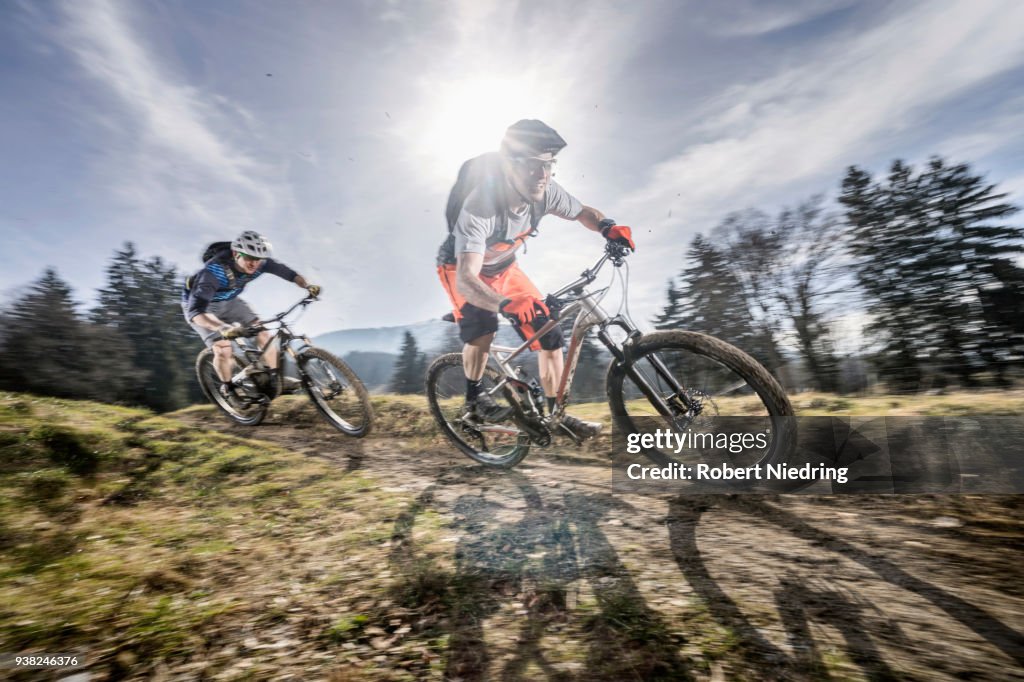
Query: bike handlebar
[616, 253]
[306, 300]
[261, 325]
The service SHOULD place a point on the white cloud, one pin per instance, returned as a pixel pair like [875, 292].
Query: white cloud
[354, 195]
[172, 150]
[765, 139]
[756, 17]
[811, 120]
[501, 61]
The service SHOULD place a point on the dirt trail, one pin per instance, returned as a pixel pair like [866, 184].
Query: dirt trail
[545, 574]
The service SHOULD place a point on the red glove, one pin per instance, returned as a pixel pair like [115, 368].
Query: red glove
[522, 308]
[620, 234]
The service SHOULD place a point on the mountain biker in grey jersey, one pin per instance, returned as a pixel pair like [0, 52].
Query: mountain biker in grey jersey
[478, 269]
[211, 305]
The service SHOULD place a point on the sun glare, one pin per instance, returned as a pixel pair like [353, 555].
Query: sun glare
[467, 117]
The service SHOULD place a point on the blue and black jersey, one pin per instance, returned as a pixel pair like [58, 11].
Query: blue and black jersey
[220, 281]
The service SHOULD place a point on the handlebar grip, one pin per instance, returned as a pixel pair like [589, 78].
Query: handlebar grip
[554, 307]
[617, 250]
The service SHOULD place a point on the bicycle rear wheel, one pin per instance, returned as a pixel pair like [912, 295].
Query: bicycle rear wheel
[700, 379]
[336, 391]
[244, 412]
[501, 445]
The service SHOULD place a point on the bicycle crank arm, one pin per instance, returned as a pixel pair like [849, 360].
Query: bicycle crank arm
[492, 428]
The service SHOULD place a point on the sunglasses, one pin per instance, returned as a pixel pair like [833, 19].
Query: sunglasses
[251, 259]
[534, 166]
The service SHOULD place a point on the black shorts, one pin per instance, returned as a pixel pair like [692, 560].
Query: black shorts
[477, 322]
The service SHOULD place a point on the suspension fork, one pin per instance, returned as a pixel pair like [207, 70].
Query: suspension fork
[624, 356]
[677, 388]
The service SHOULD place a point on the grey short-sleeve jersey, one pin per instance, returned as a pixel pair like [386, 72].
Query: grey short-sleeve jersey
[479, 228]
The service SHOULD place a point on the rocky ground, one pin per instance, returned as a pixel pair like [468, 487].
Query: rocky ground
[210, 551]
[543, 573]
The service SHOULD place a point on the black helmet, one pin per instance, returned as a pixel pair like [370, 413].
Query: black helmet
[530, 137]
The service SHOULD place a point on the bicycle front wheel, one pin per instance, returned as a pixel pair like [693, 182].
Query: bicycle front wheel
[336, 391]
[501, 445]
[685, 382]
[245, 412]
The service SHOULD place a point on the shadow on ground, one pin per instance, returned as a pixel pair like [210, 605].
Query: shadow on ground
[535, 589]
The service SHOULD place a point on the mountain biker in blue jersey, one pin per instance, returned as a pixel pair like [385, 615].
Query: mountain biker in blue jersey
[211, 305]
[493, 209]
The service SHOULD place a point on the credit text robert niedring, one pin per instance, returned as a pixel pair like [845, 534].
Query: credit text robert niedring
[666, 439]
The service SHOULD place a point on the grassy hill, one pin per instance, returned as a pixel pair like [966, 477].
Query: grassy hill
[138, 539]
[151, 543]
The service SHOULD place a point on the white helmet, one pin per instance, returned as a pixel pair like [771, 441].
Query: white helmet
[252, 244]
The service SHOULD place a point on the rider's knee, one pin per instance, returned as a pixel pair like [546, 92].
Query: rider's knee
[481, 343]
[222, 349]
[553, 340]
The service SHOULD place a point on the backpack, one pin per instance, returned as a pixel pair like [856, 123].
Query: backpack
[213, 250]
[478, 171]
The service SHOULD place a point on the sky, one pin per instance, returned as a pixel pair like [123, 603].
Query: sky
[337, 128]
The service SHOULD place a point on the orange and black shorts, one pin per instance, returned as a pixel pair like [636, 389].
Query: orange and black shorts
[475, 322]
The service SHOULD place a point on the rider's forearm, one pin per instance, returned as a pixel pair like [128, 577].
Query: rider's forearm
[209, 321]
[591, 218]
[469, 284]
[478, 293]
[301, 281]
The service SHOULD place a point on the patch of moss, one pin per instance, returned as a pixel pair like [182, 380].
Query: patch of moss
[67, 447]
[346, 628]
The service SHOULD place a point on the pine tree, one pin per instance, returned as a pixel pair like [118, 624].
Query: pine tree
[49, 349]
[141, 301]
[409, 368]
[670, 314]
[930, 255]
[711, 300]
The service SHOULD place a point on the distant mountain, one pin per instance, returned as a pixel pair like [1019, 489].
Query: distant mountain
[374, 369]
[429, 335]
[432, 337]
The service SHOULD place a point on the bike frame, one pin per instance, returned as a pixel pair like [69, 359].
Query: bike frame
[254, 353]
[589, 313]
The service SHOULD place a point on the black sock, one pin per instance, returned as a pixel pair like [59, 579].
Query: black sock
[472, 389]
[551, 405]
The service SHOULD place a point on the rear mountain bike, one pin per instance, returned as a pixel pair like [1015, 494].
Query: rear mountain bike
[676, 380]
[334, 388]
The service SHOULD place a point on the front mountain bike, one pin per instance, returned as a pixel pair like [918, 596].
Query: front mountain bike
[337, 393]
[680, 381]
